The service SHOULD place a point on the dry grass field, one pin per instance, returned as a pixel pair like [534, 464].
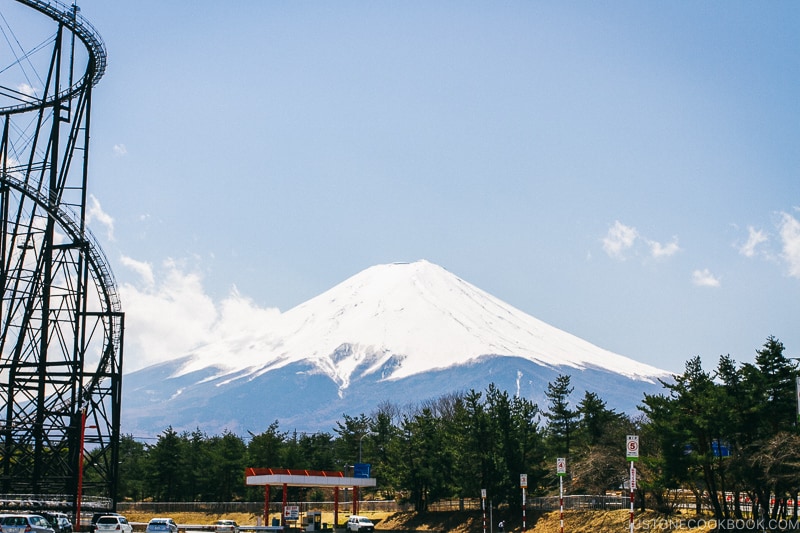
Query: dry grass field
[472, 522]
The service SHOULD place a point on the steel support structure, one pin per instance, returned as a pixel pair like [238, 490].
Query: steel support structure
[61, 323]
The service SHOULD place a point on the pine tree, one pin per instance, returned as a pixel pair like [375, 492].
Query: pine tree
[562, 419]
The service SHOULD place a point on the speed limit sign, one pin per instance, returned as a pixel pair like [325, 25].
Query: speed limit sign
[633, 447]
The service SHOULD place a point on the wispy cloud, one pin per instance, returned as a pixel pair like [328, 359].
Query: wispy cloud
[664, 250]
[788, 235]
[621, 238]
[120, 150]
[755, 237]
[95, 212]
[143, 269]
[26, 89]
[704, 278]
[171, 314]
[789, 228]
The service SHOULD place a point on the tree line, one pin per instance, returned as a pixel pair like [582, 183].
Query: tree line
[727, 437]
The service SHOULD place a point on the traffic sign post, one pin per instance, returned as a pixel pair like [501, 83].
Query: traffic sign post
[632, 454]
[797, 393]
[561, 470]
[483, 506]
[633, 488]
[523, 482]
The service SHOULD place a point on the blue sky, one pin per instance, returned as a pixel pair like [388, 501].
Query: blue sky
[625, 171]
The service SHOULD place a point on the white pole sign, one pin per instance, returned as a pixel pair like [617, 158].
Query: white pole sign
[633, 448]
[483, 506]
[633, 489]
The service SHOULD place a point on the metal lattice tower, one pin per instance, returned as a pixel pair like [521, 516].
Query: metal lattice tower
[61, 323]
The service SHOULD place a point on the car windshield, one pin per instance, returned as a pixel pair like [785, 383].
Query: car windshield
[108, 520]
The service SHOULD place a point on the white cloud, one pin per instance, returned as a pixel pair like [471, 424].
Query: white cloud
[618, 239]
[789, 228]
[120, 150]
[753, 240]
[172, 315]
[26, 89]
[239, 315]
[10, 160]
[165, 320]
[704, 278]
[145, 270]
[621, 238]
[664, 250]
[95, 212]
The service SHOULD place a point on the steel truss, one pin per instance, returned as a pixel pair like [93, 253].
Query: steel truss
[61, 324]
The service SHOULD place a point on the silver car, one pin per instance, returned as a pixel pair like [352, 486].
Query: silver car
[25, 523]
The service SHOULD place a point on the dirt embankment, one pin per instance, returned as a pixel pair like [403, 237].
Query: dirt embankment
[549, 522]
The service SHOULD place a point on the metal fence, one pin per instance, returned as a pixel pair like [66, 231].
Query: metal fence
[464, 504]
[255, 508]
[578, 502]
[549, 503]
[52, 502]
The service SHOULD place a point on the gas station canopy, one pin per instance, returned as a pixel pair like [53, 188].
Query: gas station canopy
[303, 478]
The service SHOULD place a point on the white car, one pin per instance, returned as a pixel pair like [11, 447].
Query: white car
[226, 526]
[112, 524]
[360, 523]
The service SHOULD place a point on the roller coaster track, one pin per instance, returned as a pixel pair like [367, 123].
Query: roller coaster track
[71, 19]
[61, 320]
[101, 272]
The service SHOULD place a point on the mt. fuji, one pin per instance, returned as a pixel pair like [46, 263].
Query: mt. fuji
[399, 333]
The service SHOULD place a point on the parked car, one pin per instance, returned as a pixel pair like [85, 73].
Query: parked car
[226, 526]
[64, 525]
[96, 517]
[25, 523]
[161, 525]
[113, 524]
[59, 521]
[360, 523]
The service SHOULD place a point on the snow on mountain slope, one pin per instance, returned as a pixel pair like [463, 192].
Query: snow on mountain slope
[402, 319]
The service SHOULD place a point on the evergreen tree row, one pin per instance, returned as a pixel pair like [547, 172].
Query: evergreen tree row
[727, 439]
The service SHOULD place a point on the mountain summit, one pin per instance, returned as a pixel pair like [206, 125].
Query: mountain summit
[402, 319]
[382, 330]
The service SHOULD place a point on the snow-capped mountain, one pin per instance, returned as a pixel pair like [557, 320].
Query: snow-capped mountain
[399, 332]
